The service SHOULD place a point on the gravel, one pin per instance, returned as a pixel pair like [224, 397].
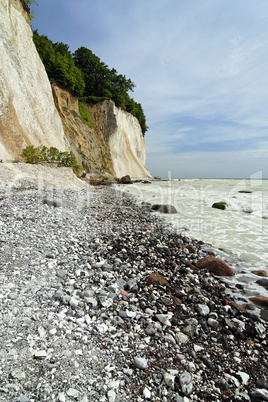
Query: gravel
[80, 322]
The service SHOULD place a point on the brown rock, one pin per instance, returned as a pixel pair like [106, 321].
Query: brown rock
[126, 180]
[191, 248]
[216, 266]
[192, 266]
[239, 307]
[177, 301]
[157, 279]
[260, 272]
[260, 300]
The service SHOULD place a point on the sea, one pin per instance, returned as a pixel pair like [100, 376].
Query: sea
[238, 234]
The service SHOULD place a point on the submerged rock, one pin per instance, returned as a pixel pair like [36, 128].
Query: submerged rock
[219, 205]
[164, 208]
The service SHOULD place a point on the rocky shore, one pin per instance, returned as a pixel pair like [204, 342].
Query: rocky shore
[101, 301]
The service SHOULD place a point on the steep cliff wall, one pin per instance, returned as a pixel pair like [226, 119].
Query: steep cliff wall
[123, 134]
[86, 143]
[27, 111]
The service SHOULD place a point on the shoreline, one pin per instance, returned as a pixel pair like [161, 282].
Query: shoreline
[80, 321]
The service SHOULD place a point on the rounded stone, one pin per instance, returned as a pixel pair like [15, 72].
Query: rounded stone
[140, 363]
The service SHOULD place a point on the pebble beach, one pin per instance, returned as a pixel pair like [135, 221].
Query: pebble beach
[100, 300]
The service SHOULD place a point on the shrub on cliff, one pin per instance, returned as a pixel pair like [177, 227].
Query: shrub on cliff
[50, 155]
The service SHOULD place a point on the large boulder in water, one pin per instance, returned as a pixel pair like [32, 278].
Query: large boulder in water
[219, 205]
[164, 208]
[216, 266]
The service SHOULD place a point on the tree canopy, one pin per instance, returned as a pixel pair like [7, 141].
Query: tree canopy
[85, 75]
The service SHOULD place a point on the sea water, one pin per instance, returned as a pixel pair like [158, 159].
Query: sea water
[238, 234]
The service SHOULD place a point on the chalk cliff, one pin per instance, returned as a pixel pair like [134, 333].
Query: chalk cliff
[27, 111]
[31, 112]
[122, 132]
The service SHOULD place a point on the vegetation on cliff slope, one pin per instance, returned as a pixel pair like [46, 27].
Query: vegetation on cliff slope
[85, 75]
[51, 155]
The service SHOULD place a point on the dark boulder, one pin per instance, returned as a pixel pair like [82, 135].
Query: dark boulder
[125, 180]
[219, 205]
[164, 208]
[263, 282]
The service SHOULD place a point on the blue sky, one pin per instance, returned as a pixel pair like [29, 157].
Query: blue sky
[200, 69]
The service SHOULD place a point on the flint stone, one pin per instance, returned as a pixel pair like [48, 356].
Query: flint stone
[170, 380]
[181, 338]
[140, 363]
[164, 318]
[61, 397]
[73, 392]
[61, 273]
[216, 266]
[146, 393]
[111, 395]
[22, 398]
[40, 354]
[150, 330]
[222, 384]
[203, 309]
[262, 383]
[133, 285]
[186, 384]
[164, 208]
[261, 392]
[244, 377]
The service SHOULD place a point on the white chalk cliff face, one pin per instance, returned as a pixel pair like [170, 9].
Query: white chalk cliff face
[123, 134]
[27, 111]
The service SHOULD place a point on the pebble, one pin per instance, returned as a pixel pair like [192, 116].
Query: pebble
[140, 363]
[147, 393]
